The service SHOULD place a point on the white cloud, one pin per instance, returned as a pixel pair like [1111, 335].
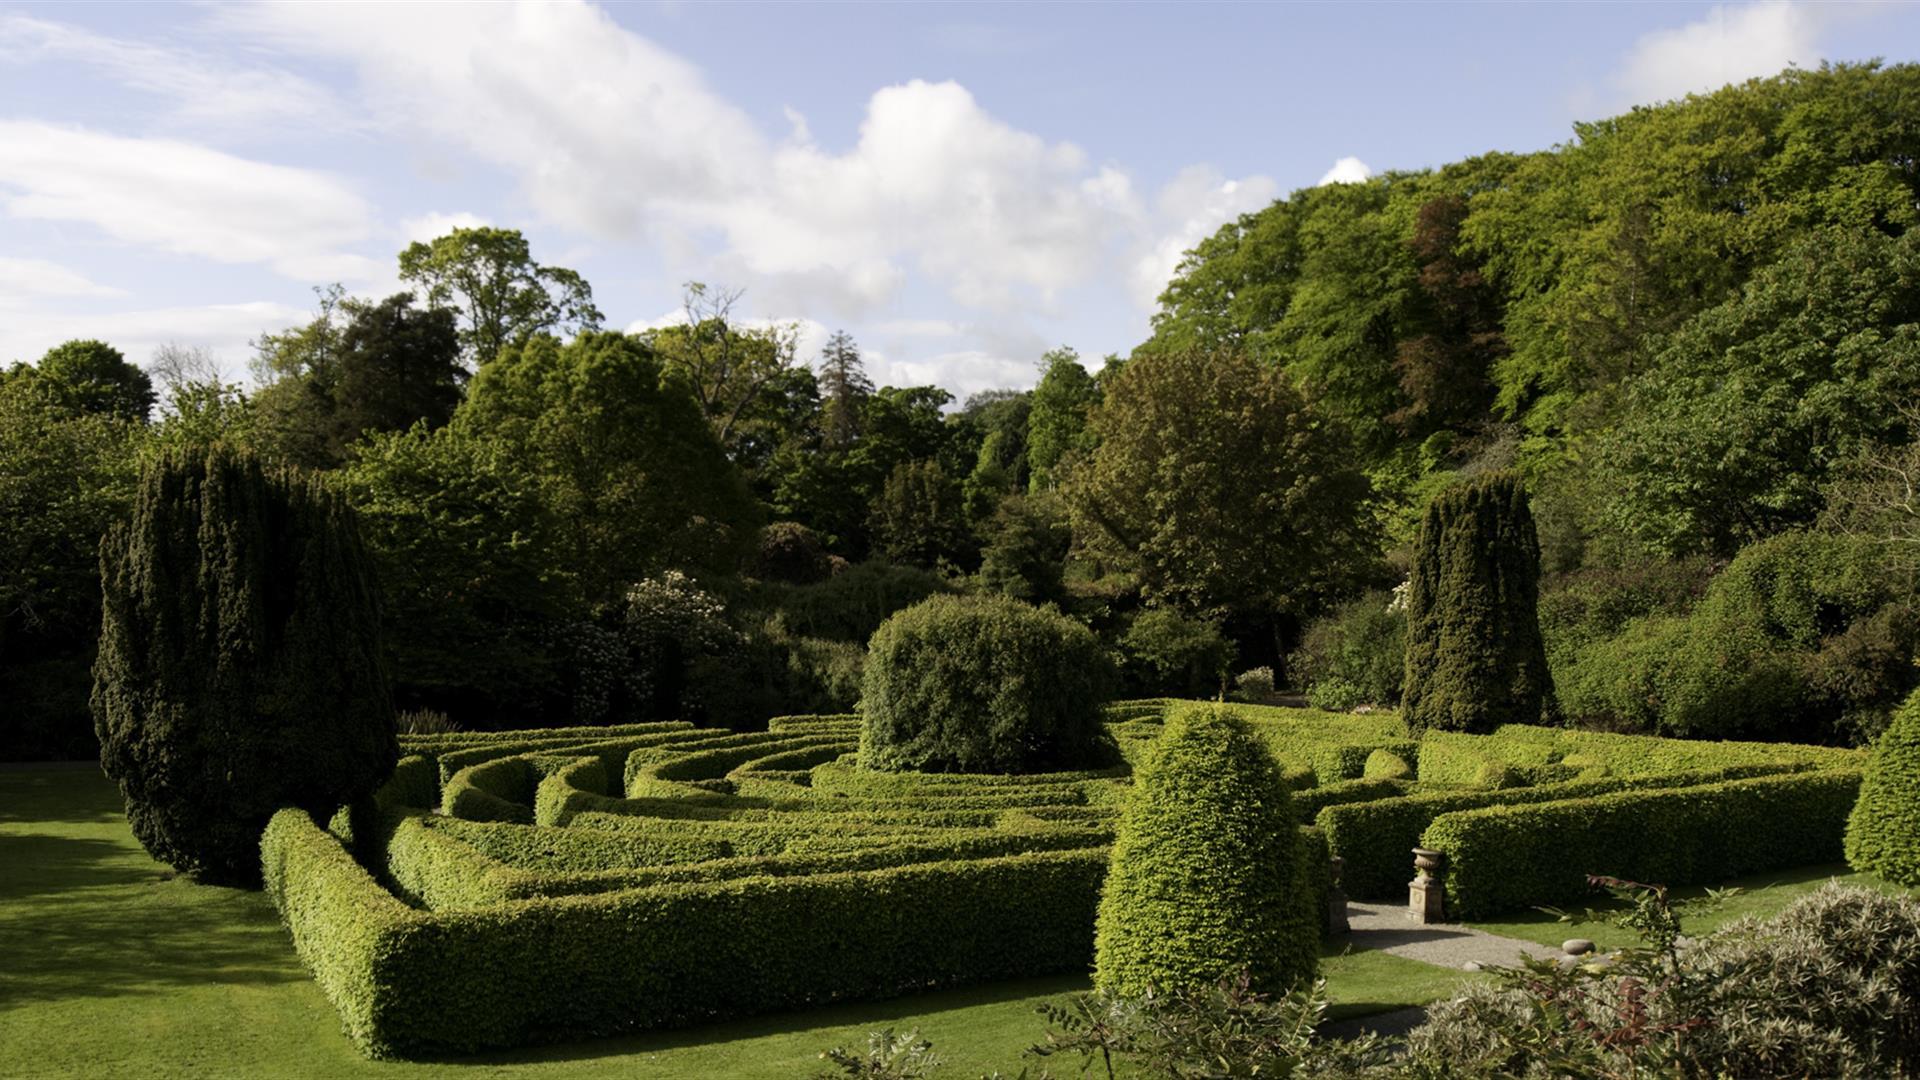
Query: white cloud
[434, 225]
[1730, 44]
[184, 198]
[1191, 207]
[224, 329]
[964, 373]
[206, 91]
[23, 278]
[611, 135]
[1348, 170]
[916, 328]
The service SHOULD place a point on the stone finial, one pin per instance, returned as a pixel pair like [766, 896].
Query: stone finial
[1426, 896]
[1337, 900]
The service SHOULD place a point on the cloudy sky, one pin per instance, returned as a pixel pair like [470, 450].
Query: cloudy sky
[961, 186]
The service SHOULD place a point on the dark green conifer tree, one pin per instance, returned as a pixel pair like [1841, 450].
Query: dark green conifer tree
[239, 669]
[1475, 659]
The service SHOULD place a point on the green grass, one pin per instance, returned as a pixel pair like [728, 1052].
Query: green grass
[1760, 895]
[111, 965]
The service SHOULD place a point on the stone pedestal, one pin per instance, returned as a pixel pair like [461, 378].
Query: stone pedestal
[1337, 900]
[1426, 895]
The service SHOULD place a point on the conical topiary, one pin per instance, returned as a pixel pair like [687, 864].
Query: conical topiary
[1205, 878]
[1883, 833]
[239, 669]
[1475, 659]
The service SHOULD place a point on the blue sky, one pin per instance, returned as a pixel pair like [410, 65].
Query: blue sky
[961, 186]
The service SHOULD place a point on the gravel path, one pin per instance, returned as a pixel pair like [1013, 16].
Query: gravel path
[1388, 928]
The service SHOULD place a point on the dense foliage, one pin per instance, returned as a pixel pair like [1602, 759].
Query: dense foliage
[240, 668]
[1207, 875]
[1474, 658]
[1818, 990]
[1215, 483]
[1802, 635]
[982, 684]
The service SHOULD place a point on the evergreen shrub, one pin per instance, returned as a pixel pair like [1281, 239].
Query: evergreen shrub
[1208, 873]
[1883, 832]
[983, 684]
[239, 668]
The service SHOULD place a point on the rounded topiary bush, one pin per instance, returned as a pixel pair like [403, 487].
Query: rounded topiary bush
[1883, 834]
[1387, 765]
[1205, 878]
[983, 684]
[239, 669]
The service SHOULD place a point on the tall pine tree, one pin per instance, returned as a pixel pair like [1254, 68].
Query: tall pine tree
[843, 385]
[239, 669]
[1475, 659]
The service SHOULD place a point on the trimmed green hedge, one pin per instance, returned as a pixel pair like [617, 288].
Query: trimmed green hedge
[409, 982]
[1377, 838]
[1510, 858]
[1315, 799]
[612, 844]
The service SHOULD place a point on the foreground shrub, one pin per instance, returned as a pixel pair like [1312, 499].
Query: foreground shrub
[1206, 877]
[1822, 989]
[687, 952]
[982, 684]
[1224, 1029]
[1883, 832]
[888, 1057]
[239, 669]
[1474, 654]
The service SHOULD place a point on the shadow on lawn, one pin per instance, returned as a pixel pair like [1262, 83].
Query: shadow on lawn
[64, 793]
[38, 864]
[107, 942]
[856, 1018]
[94, 916]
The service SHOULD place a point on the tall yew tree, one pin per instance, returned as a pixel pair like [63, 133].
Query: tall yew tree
[1475, 659]
[239, 669]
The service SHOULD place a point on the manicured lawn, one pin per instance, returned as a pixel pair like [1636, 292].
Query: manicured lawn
[112, 966]
[1761, 895]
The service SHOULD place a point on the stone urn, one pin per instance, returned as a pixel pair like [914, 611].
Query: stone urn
[1428, 861]
[1426, 896]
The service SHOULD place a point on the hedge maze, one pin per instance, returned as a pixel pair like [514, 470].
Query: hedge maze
[514, 887]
